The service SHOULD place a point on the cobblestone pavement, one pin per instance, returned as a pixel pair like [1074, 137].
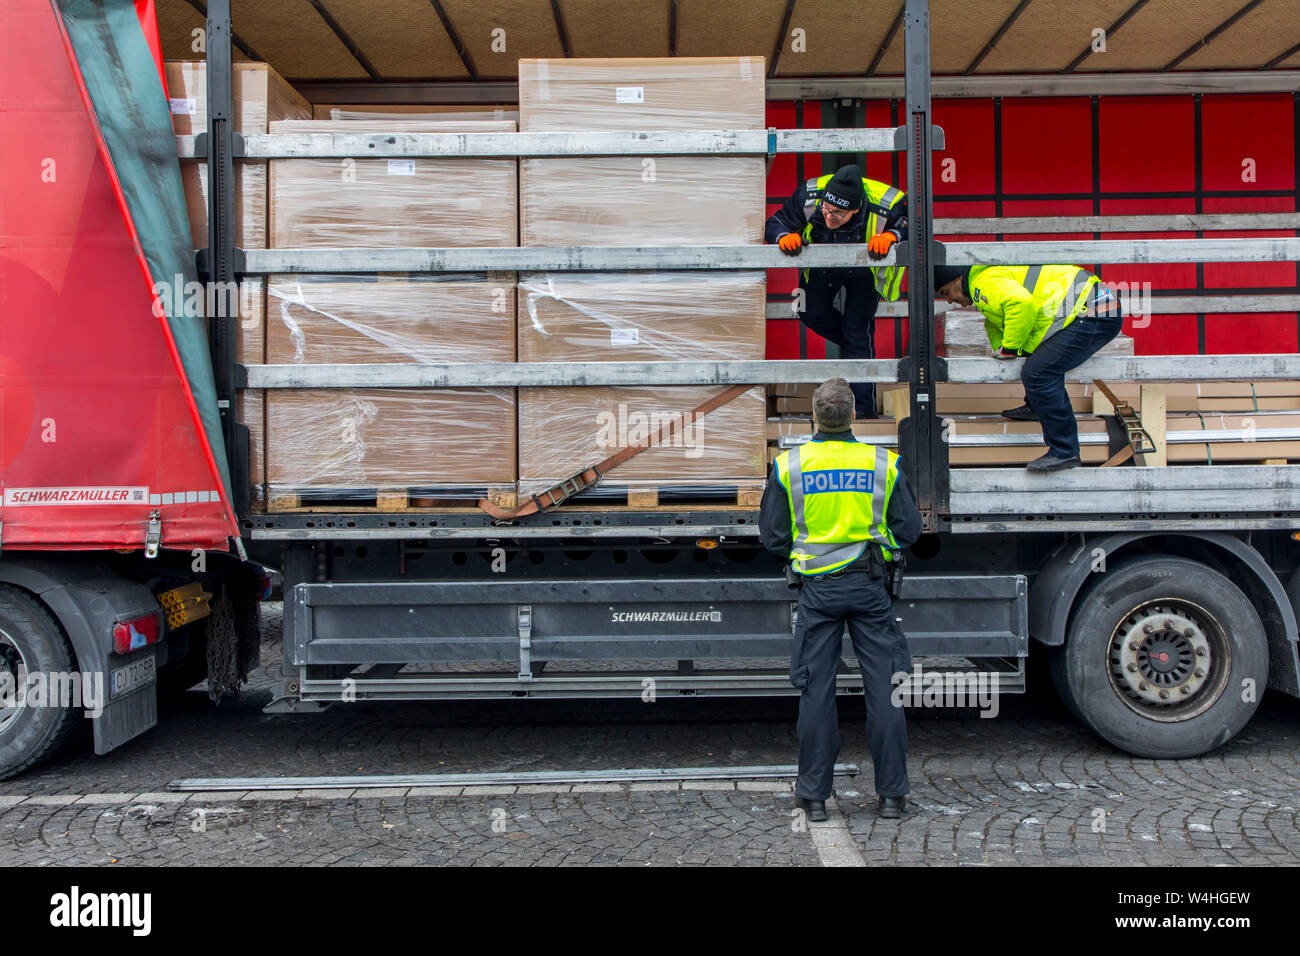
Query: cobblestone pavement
[1028, 787]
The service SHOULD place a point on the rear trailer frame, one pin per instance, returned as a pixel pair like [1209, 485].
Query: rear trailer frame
[409, 605]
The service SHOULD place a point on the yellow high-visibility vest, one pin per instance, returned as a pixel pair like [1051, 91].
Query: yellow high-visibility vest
[839, 494]
[881, 197]
[1024, 305]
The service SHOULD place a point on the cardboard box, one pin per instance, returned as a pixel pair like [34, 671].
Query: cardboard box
[386, 203]
[641, 316]
[250, 405]
[317, 319]
[404, 438]
[367, 439]
[961, 332]
[261, 97]
[565, 430]
[642, 94]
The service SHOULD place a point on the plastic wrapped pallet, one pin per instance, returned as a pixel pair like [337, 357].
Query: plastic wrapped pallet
[349, 445]
[261, 97]
[641, 316]
[631, 200]
[384, 203]
[631, 317]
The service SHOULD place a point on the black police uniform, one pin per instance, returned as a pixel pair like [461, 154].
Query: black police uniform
[855, 596]
[839, 304]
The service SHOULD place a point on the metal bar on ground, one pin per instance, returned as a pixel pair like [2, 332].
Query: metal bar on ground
[518, 374]
[505, 778]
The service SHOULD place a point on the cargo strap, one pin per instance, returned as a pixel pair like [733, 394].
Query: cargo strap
[557, 494]
[1140, 441]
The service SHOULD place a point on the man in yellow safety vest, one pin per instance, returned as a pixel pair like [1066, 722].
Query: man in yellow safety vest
[1057, 317]
[840, 304]
[840, 512]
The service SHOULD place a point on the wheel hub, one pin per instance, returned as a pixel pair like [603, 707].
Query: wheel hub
[1162, 657]
[13, 678]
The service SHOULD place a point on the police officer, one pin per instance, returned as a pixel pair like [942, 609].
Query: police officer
[1058, 316]
[840, 512]
[840, 304]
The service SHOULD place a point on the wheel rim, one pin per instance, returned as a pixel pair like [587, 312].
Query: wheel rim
[13, 675]
[1169, 659]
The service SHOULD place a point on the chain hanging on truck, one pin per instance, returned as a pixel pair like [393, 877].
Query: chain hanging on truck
[557, 494]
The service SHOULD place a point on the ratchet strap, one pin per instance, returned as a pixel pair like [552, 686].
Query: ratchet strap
[1140, 441]
[557, 494]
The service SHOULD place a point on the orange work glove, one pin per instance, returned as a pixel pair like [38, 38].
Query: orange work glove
[790, 244]
[879, 246]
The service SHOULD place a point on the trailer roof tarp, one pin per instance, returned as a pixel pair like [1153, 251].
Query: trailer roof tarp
[458, 40]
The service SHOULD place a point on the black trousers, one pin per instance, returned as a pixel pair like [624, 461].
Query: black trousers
[840, 306]
[825, 605]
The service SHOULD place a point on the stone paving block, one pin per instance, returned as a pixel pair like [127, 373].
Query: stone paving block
[331, 793]
[654, 786]
[491, 790]
[107, 798]
[764, 786]
[164, 796]
[54, 799]
[597, 788]
[380, 793]
[433, 792]
[544, 788]
[270, 795]
[708, 785]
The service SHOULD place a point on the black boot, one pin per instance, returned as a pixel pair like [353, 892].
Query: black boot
[891, 808]
[1050, 462]
[816, 809]
[1021, 413]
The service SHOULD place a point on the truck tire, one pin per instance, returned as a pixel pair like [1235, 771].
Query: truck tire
[1165, 658]
[31, 640]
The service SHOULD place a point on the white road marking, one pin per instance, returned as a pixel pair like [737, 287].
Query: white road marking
[835, 844]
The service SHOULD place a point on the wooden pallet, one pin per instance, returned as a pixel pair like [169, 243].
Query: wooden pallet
[389, 500]
[730, 496]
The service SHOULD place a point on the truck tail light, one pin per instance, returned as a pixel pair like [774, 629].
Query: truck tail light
[136, 633]
[267, 581]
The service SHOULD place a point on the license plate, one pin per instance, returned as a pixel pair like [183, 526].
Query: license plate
[133, 675]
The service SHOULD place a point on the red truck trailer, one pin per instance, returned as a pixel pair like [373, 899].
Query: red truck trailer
[1164, 597]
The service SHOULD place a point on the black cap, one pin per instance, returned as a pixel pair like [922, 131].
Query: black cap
[844, 190]
[945, 274]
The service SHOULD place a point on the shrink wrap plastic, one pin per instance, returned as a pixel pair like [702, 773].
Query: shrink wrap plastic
[641, 317]
[347, 443]
[413, 112]
[261, 97]
[386, 203]
[630, 200]
[565, 430]
[642, 94]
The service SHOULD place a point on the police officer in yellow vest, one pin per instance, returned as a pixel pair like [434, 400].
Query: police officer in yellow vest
[840, 304]
[1056, 316]
[840, 512]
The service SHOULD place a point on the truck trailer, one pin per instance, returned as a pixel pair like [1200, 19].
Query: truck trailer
[134, 551]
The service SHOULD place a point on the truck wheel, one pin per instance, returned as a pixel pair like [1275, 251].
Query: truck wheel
[31, 642]
[1165, 658]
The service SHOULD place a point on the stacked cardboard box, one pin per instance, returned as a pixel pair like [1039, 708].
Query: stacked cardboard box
[961, 332]
[391, 111]
[683, 200]
[354, 443]
[261, 97]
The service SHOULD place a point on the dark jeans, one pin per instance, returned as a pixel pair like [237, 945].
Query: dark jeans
[1044, 378]
[825, 605]
[851, 326]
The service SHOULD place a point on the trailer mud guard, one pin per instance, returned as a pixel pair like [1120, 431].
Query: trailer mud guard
[87, 599]
[1053, 591]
